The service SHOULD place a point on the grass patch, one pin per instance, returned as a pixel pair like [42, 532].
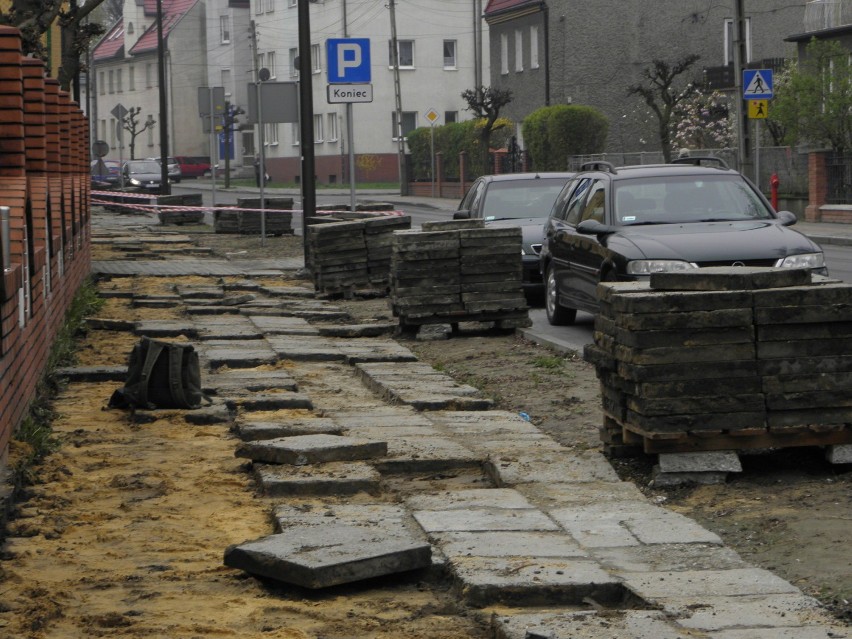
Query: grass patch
[550, 362]
[34, 438]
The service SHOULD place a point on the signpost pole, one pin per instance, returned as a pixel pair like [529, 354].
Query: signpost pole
[350, 142]
[432, 154]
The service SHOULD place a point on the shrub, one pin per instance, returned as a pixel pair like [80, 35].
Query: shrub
[553, 133]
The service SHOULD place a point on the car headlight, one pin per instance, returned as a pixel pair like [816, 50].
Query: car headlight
[646, 267]
[804, 260]
[135, 182]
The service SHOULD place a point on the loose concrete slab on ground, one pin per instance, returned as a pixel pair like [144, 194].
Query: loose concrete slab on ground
[305, 348]
[330, 479]
[323, 556]
[92, 373]
[543, 465]
[281, 325]
[248, 430]
[839, 454]
[166, 328]
[366, 349]
[267, 400]
[459, 545]
[628, 624]
[248, 354]
[235, 327]
[311, 449]
[375, 329]
[667, 557]
[246, 379]
[658, 586]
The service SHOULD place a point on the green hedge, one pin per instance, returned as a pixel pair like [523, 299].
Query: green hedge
[553, 133]
[450, 140]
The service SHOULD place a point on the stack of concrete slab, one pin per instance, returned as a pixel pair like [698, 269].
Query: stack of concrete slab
[356, 255]
[276, 211]
[724, 359]
[460, 271]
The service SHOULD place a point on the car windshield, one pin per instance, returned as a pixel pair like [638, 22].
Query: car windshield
[514, 199]
[685, 199]
[148, 166]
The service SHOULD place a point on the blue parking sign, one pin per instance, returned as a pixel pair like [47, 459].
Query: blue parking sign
[348, 60]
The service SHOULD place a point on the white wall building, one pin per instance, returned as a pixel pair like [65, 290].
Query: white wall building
[437, 63]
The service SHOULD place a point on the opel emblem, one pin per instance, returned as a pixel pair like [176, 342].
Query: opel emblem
[738, 264]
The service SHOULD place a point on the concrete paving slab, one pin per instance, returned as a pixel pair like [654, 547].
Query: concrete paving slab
[628, 624]
[255, 430]
[311, 449]
[333, 478]
[839, 454]
[419, 454]
[809, 632]
[305, 348]
[233, 354]
[550, 466]
[726, 461]
[187, 291]
[717, 613]
[382, 416]
[323, 556]
[649, 524]
[196, 309]
[657, 586]
[252, 380]
[374, 329]
[554, 495]
[217, 413]
[267, 400]
[278, 325]
[228, 327]
[288, 291]
[384, 518]
[166, 328]
[667, 558]
[523, 581]
[484, 423]
[471, 498]
[664, 480]
[440, 401]
[366, 349]
[457, 545]
[484, 519]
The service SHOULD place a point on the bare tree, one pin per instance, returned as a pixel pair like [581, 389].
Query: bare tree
[132, 125]
[35, 17]
[485, 103]
[662, 96]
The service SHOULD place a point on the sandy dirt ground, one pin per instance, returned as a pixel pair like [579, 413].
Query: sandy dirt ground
[123, 533]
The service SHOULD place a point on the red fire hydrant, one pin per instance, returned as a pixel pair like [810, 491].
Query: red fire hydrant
[773, 190]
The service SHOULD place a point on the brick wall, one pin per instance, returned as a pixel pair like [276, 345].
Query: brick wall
[818, 210]
[44, 180]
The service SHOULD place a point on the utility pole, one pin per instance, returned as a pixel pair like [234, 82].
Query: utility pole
[403, 178]
[260, 169]
[744, 161]
[306, 115]
[477, 43]
[165, 188]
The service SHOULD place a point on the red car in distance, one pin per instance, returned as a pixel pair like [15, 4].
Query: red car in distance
[192, 167]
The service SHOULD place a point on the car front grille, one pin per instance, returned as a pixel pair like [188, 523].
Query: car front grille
[766, 262]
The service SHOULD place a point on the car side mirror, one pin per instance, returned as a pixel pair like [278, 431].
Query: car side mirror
[593, 227]
[461, 215]
[787, 218]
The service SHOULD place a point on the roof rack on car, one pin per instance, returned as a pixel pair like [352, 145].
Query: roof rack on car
[598, 165]
[698, 160]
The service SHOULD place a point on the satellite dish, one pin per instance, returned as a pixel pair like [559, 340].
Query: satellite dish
[264, 74]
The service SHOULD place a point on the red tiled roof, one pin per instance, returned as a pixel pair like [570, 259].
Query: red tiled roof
[173, 11]
[497, 6]
[112, 44]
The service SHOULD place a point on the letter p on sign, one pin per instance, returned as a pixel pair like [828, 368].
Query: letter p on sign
[348, 60]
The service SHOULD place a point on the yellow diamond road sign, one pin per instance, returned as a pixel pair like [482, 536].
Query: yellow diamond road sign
[757, 109]
[432, 115]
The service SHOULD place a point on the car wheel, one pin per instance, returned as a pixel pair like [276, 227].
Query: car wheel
[557, 315]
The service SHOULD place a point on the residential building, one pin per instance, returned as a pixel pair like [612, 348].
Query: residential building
[125, 72]
[437, 63]
[590, 53]
[824, 20]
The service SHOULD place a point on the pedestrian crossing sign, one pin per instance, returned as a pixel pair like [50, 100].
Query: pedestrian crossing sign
[757, 84]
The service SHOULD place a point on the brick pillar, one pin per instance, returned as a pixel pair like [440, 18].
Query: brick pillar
[54, 177]
[817, 185]
[36, 160]
[439, 174]
[462, 171]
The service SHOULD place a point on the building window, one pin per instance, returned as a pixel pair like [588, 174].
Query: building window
[519, 50]
[112, 132]
[270, 132]
[292, 3]
[316, 58]
[111, 82]
[409, 123]
[149, 75]
[101, 83]
[270, 64]
[294, 132]
[119, 81]
[258, 7]
[225, 75]
[294, 62]
[449, 54]
[318, 128]
[729, 41]
[150, 130]
[451, 116]
[405, 50]
[332, 127]
[504, 54]
[131, 78]
[270, 6]
[534, 47]
[103, 134]
[225, 29]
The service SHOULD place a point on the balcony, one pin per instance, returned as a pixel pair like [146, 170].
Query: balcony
[827, 14]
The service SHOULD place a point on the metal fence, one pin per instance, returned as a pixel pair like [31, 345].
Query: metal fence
[838, 173]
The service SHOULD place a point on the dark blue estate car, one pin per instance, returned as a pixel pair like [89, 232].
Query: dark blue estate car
[614, 224]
